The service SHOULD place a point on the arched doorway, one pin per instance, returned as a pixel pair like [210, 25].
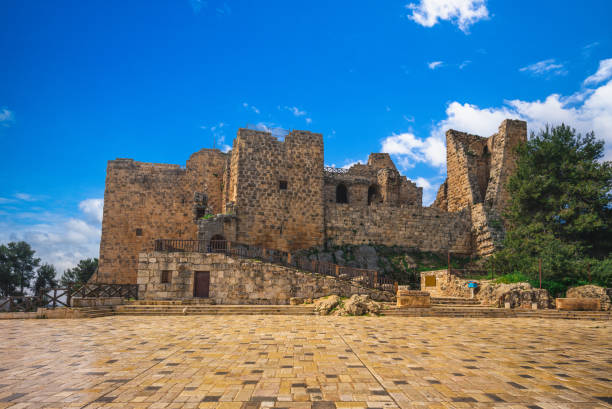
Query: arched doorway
[217, 244]
[341, 194]
[374, 195]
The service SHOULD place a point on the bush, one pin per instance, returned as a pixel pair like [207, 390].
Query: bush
[512, 278]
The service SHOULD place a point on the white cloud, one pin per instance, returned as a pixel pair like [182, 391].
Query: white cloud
[6, 117]
[464, 64]
[197, 5]
[57, 239]
[603, 73]
[409, 149]
[276, 131]
[430, 188]
[295, 111]
[25, 197]
[251, 107]
[218, 134]
[462, 13]
[93, 209]
[434, 64]
[586, 110]
[545, 67]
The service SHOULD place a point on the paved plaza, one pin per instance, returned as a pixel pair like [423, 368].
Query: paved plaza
[305, 362]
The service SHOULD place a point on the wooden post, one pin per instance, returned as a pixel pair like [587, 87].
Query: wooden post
[289, 258]
[337, 270]
[228, 247]
[395, 287]
[540, 269]
[54, 297]
[589, 270]
[448, 261]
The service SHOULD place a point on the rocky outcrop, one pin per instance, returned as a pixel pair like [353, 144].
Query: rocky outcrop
[593, 291]
[488, 292]
[359, 305]
[324, 305]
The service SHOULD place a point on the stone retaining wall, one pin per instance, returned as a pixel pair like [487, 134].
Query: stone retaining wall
[238, 281]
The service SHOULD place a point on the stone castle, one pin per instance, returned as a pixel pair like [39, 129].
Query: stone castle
[279, 195]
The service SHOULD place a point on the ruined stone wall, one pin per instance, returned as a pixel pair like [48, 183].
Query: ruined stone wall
[145, 201]
[425, 228]
[503, 161]
[277, 188]
[478, 168]
[238, 281]
[392, 188]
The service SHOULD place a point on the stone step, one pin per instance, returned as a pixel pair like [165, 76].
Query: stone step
[215, 310]
[453, 300]
[498, 313]
[191, 301]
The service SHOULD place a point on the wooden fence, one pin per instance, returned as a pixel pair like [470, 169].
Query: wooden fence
[62, 297]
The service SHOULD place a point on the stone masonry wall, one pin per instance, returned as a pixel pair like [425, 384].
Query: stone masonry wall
[145, 201]
[425, 228]
[269, 215]
[238, 281]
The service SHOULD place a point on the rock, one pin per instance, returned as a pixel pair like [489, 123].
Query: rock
[307, 300]
[339, 256]
[359, 305]
[296, 301]
[592, 291]
[518, 295]
[524, 298]
[185, 311]
[324, 305]
[366, 256]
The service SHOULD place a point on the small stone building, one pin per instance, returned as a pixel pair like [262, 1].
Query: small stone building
[278, 194]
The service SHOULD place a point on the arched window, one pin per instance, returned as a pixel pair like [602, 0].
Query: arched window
[373, 195]
[341, 194]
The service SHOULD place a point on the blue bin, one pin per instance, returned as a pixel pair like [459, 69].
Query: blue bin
[472, 285]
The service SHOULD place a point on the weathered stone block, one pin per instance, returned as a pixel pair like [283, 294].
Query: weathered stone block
[578, 304]
[413, 299]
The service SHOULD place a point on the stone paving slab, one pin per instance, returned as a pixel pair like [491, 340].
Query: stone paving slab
[309, 362]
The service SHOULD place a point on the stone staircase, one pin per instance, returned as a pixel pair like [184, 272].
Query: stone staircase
[178, 308]
[95, 312]
[469, 308]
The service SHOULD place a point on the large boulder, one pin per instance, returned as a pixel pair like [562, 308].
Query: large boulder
[592, 291]
[324, 305]
[525, 298]
[359, 305]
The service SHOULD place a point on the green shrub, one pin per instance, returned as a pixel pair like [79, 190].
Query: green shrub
[515, 277]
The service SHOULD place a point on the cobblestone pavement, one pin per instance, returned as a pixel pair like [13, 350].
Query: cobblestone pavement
[305, 362]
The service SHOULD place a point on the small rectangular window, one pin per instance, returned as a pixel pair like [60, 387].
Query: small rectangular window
[282, 185]
[139, 232]
[166, 275]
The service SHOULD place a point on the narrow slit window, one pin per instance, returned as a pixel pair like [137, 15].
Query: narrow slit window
[282, 185]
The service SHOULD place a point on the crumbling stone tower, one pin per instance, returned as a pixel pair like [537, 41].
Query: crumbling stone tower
[477, 172]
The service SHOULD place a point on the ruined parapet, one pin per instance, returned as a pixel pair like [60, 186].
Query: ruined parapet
[503, 161]
[478, 170]
[376, 183]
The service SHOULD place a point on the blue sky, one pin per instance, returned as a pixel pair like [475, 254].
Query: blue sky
[82, 82]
